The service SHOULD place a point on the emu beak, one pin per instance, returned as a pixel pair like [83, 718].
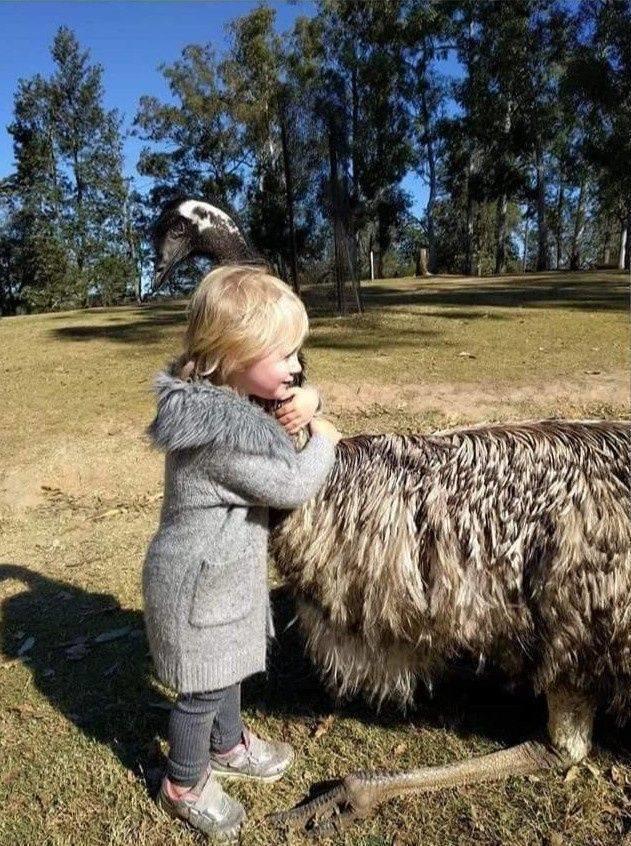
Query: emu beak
[160, 275]
[166, 263]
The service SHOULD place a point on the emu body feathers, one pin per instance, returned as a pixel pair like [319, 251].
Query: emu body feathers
[509, 542]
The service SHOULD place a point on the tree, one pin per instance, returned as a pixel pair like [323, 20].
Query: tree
[68, 188]
[599, 87]
[199, 146]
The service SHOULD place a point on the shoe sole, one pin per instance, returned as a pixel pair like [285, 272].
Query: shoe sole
[224, 837]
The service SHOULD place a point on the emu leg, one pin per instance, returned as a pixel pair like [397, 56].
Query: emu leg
[359, 793]
[570, 721]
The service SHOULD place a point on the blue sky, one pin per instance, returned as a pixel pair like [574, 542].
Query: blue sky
[130, 39]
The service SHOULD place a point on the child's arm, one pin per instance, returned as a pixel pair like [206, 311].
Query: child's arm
[294, 414]
[263, 480]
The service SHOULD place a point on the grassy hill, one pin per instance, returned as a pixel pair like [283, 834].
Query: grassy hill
[82, 721]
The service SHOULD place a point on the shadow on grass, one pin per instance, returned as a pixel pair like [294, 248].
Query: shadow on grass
[370, 340]
[146, 324]
[543, 292]
[109, 693]
[141, 326]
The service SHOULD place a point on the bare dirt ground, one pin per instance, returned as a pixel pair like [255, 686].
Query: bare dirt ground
[480, 402]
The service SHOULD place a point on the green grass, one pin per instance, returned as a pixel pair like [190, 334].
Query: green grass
[82, 741]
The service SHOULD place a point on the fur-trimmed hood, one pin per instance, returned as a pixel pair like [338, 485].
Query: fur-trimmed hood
[195, 414]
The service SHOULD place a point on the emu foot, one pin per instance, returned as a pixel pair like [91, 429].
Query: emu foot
[358, 794]
[336, 807]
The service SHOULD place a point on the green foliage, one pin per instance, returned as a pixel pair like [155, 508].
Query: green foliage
[67, 195]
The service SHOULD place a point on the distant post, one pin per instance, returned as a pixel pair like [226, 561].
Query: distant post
[421, 266]
[372, 266]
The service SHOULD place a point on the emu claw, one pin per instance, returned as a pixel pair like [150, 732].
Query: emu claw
[327, 814]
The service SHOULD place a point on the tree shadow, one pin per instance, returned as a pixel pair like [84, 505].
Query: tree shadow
[366, 339]
[144, 325]
[544, 291]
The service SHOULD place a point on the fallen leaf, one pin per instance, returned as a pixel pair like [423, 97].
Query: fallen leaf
[466, 355]
[26, 711]
[593, 372]
[616, 775]
[74, 641]
[76, 653]
[112, 634]
[109, 513]
[323, 726]
[105, 610]
[593, 769]
[29, 643]
[571, 774]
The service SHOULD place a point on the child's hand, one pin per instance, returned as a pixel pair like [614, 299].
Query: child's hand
[294, 414]
[320, 426]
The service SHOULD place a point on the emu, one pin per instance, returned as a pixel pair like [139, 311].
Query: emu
[507, 542]
[188, 227]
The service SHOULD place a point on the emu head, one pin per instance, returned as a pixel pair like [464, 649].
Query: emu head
[188, 227]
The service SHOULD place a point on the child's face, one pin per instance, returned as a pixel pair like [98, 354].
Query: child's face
[269, 377]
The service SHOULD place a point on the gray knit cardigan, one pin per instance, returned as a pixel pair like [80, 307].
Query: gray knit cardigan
[205, 591]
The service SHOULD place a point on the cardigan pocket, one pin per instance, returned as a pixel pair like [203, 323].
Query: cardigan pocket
[223, 592]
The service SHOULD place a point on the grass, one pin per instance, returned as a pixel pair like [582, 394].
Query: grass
[83, 721]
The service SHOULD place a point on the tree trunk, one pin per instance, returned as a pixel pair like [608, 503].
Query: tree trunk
[379, 268]
[607, 246]
[543, 260]
[525, 257]
[431, 167]
[579, 225]
[559, 227]
[289, 194]
[337, 221]
[500, 249]
[421, 262]
[354, 129]
[468, 255]
[624, 235]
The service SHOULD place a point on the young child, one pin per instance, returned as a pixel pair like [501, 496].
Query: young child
[205, 577]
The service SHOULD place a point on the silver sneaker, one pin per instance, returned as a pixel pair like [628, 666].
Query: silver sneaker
[207, 808]
[264, 760]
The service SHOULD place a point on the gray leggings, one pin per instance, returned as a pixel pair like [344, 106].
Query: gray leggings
[199, 723]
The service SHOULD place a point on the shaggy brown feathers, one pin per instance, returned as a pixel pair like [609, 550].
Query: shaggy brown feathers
[511, 542]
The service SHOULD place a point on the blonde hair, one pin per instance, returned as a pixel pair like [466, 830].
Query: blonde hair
[238, 314]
